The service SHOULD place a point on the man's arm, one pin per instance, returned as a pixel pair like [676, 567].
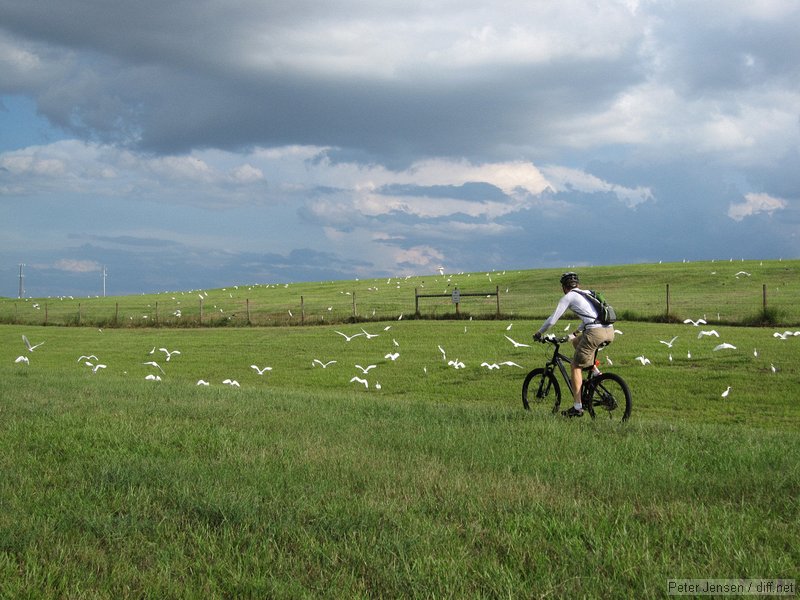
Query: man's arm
[561, 308]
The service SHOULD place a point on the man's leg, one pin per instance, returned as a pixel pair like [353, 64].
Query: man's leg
[577, 382]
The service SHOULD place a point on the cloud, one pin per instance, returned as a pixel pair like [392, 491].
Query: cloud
[755, 204]
[72, 265]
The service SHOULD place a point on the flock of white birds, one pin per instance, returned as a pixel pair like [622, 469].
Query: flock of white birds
[360, 378]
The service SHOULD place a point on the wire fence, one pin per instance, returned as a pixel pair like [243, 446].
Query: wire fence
[751, 306]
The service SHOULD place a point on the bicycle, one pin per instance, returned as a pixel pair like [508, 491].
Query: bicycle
[605, 391]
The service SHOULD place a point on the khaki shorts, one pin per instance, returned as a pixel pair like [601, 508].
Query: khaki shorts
[588, 343]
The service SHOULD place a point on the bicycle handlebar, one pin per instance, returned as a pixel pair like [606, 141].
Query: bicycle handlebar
[552, 339]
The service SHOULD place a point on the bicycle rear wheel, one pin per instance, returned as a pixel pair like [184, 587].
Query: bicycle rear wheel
[608, 392]
[541, 387]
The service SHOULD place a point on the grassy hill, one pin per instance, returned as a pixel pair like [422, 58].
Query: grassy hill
[731, 292]
[429, 481]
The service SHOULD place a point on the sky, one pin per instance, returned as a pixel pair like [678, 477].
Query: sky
[195, 144]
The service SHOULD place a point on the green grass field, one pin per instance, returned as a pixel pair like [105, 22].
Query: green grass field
[301, 483]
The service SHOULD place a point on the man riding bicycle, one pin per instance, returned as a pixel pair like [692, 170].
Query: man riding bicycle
[591, 334]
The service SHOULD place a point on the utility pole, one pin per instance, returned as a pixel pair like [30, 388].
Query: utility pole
[21, 280]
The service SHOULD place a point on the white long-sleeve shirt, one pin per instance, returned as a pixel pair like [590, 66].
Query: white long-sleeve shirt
[576, 302]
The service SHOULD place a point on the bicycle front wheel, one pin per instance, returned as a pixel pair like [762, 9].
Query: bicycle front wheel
[608, 392]
[541, 387]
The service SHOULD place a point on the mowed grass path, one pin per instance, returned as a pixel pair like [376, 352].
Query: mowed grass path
[303, 484]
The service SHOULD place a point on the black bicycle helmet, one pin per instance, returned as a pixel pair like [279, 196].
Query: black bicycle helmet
[569, 280]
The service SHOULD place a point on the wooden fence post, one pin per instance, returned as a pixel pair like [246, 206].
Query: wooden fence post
[416, 302]
[497, 295]
[302, 311]
[667, 299]
[247, 304]
[116, 313]
[45, 313]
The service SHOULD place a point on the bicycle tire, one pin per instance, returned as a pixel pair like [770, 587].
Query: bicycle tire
[539, 386]
[608, 392]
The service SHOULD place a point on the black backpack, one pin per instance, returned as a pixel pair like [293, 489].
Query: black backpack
[606, 315]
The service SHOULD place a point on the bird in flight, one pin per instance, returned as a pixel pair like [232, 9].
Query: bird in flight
[90, 357]
[392, 356]
[725, 346]
[696, 323]
[369, 335]
[516, 343]
[366, 369]
[202, 382]
[153, 363]
[349, 337]
[22, 359]
[168, 353]
[30, 347]
[669, 343]
[643, 360]
[704, 333]
[360, 380]
[260, 371]
[324, 365]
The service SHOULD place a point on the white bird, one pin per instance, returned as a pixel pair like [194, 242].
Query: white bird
[490, 366]
[260, 371]
[22, 359]
[785, 334]
[90, 357]
[643, 360]
[28, 344]
[231, 382]
[349, 337]
[456, 364]
[153, 351]
[669, 343]
[324, 365]
[608, 360]
[696, 323]
[360, 380]
[745, 273]
[366, 369]
[392, 356]
[618, 332]
[509, 327]
[724, 346]
[516, 343]
[670, 357]
[168, 353]
[444, 355]
[152, 377]
[377, 385]
[755, 352]
[510, 363]
[688, 354]
[705, 333]
[154, 364]
[369, 335]
[772, 368]
[394, 342]
[202, 382]
[726, 392]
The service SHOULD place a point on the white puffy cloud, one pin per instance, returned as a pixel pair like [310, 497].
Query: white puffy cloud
[755, 204]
